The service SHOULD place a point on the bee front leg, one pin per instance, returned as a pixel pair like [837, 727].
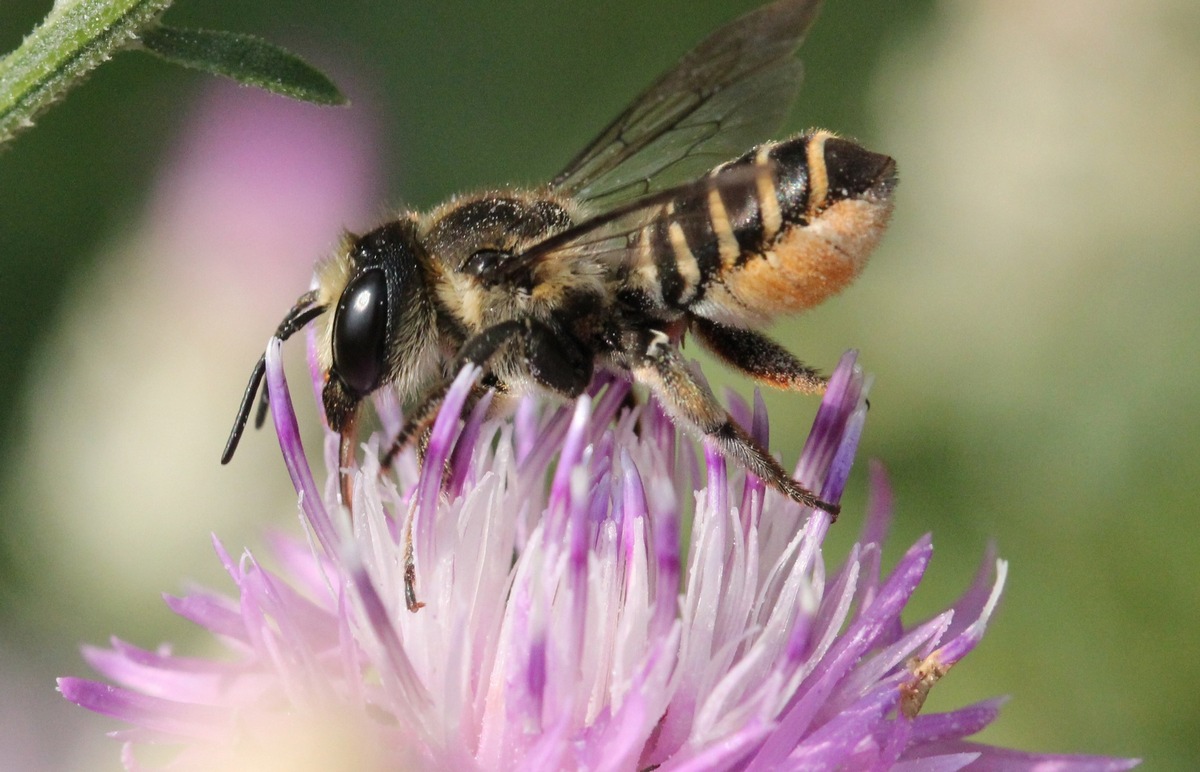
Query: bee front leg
[477, 351]
[417, 424]
[655, 362]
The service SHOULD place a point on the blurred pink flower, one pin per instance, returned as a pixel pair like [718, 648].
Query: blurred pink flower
[262, 185]
[251, 194]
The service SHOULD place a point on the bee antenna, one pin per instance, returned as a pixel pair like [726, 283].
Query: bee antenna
[239, 424]
[301, 314]
[264, 405]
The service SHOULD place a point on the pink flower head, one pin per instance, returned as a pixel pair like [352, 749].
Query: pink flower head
[568, 623]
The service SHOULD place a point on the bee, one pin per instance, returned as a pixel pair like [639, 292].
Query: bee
[650, 233]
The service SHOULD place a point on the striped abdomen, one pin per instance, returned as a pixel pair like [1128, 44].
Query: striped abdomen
[773, 232]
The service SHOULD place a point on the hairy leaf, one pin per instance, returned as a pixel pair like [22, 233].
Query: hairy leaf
[244, 58]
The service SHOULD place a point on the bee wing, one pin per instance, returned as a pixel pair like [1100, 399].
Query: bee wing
[611, 237]
[729, 92]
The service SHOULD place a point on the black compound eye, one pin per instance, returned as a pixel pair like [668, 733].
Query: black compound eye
[360, 332]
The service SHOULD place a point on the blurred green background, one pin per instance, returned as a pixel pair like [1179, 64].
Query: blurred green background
[1031, 318]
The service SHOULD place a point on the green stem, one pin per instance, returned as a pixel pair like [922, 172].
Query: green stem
[75, 38]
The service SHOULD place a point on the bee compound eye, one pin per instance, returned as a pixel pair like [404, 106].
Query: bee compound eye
[360, 332]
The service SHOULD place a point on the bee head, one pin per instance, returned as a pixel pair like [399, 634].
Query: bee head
[382, 317]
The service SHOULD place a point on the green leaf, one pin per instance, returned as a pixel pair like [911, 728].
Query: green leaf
[244, 58]
[74, 38]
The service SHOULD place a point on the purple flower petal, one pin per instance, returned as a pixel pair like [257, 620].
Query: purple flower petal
[464, 448]
[856, 640]
[209, 611]
[956, 724]
[172, 719]
[992, 759]
[288, 430]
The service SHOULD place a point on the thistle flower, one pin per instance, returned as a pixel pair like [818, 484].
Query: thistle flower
[566, 625]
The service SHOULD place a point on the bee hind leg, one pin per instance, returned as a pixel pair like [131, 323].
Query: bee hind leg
[655, 362]
[758, 356]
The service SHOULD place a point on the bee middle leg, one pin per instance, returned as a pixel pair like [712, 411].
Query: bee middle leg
[655, 362]
[556, 359]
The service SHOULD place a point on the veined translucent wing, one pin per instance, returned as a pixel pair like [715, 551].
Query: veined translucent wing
[728, 93]
[611, 236]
